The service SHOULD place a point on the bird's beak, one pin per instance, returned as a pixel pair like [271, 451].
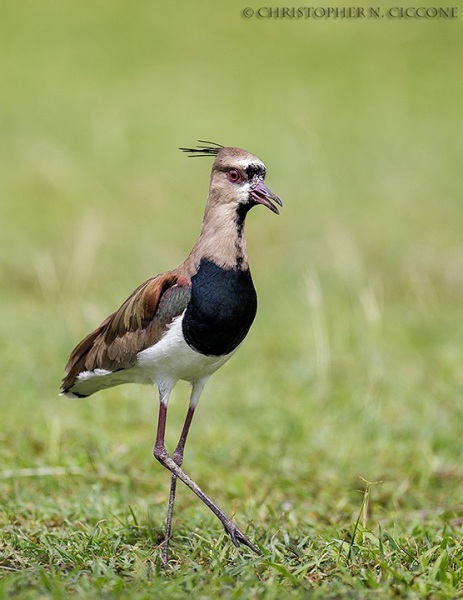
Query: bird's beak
[262, 195]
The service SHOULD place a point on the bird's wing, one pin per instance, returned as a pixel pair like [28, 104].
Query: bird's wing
[139, 323]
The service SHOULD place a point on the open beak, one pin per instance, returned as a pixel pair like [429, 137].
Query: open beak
[262, 195]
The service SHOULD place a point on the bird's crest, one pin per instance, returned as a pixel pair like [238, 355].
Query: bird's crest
[203, 149]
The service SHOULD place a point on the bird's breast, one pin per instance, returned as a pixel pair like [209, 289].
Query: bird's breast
[221, 309]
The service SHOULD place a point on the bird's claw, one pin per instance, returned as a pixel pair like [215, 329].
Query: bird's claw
[238, 537]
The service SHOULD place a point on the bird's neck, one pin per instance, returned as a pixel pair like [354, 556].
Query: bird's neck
[221, 239]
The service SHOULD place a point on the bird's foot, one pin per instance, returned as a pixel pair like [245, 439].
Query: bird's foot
[165, 562]
[238, 537]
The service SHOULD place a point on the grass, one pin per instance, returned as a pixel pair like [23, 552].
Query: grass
[334, 435]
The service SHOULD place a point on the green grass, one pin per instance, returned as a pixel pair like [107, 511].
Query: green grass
[334, 435]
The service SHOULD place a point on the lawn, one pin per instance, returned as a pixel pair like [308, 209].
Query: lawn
[334, 435]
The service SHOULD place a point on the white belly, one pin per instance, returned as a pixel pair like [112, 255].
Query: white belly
[173, 359]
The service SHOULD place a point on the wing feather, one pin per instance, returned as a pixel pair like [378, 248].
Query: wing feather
[139, 323]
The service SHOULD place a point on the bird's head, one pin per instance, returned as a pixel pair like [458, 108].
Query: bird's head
[237, 178]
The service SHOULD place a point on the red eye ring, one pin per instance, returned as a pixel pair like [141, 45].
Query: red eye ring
[233, 175]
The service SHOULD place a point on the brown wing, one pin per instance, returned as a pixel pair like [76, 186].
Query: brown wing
[138, 324]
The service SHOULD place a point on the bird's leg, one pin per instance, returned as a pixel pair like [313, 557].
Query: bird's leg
[168, 529]
[177, 457]
[161, 454]
[160, 447]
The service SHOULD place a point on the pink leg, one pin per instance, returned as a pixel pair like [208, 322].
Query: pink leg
[161, 454]
[177, 456]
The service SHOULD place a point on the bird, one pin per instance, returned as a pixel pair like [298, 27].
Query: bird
[185, 323]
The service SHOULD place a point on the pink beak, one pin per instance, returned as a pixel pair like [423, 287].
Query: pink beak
[262, 195]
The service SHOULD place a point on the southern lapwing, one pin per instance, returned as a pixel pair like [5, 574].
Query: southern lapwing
[185, 323]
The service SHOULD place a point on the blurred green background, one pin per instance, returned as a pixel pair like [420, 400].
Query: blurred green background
[353, 366]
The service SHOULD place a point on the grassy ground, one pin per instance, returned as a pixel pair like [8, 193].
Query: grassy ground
[334, 435]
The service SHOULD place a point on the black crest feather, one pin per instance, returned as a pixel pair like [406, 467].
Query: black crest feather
[203, 149]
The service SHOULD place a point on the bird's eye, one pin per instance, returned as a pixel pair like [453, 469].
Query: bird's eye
[234, 175]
